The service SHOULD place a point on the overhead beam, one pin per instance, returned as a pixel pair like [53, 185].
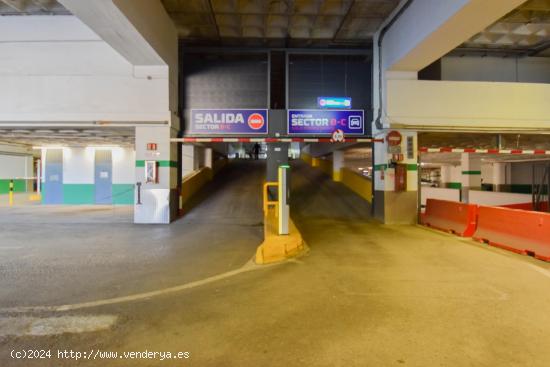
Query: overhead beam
[429, 29]
[140, 30]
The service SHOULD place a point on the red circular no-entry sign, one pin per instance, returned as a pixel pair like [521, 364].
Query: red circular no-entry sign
[256, 121]
[394, 138]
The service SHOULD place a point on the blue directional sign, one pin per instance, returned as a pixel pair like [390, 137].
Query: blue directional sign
[334, 102]
[228, 121]
[325, 122]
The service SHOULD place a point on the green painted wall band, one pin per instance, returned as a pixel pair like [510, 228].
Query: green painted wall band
[410, 167]
[18, 186]
[141, 163]
[172, 164]
[123, 194]
[78, 194]
[82, 194]
[453, 185]
[471, 172]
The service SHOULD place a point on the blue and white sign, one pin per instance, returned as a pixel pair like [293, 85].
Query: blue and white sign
[334, 102]
[228, 121]
[325, 122]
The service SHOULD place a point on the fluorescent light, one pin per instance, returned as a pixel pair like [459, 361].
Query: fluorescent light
[104, 147]
[51, 147]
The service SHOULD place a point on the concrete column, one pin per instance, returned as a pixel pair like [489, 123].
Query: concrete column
[471, 174]
[159, 201]
[390, 206]
[445, 175]
[189, 159]
[337, 165]
[499, 176]
[208, 158]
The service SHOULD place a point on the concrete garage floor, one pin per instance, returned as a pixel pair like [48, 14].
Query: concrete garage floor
[64, 214]
[47, 261]
[365, 295]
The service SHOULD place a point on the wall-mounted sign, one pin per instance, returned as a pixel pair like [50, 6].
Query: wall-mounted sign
[228, 121]
[151, 146]
[334, 102]
[151, 172]
[337, 136]
[394, 138]
[325, 122]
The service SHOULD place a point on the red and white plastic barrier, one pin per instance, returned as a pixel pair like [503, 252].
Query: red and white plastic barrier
[520, 231]
[451, 216]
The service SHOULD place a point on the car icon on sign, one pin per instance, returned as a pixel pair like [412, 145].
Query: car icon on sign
[355, 122]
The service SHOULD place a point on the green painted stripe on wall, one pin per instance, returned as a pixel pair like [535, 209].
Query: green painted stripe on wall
[123, 194]
[141, 163]
[454, 185]
[410, 167]
[471, 172]
[78, 194]
[168, 164]
[18, 186]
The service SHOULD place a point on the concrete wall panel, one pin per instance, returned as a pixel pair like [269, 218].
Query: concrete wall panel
[474, 105]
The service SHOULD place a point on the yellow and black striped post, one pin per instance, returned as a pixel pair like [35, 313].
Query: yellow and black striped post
[11, 193]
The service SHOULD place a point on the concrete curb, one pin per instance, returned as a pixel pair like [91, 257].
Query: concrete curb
[276, 248]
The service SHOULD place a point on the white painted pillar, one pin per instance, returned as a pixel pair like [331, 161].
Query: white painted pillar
[445, 177]
[337, 165]
[199, 157]
[208, 158]
[158, 200]
[39, 176]
[499, 176]
[188, 159]
[390, 206]
[470, 166]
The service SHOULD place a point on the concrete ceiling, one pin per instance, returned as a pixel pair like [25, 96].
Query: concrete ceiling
[525, 30]
[32, 7]
[279, 23]
[65, 136]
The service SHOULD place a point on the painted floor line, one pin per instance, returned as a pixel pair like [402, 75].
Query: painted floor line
[43, 326]
[544, 272]
[249, 266]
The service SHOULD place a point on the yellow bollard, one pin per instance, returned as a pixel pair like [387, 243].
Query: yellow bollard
[11, 193]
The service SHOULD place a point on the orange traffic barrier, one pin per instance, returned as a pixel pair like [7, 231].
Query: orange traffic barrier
[526, 206]
[451, 216]
[520, 231]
